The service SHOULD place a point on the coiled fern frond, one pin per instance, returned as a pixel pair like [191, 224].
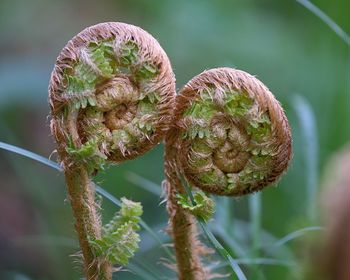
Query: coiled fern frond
[233, 135]
[111, 95]
[230, 137]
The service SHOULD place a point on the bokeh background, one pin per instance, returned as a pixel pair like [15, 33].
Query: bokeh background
[292, 51]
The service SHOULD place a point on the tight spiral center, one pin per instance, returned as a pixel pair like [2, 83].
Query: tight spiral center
[117, 98]
[232, 155]
[120, 116]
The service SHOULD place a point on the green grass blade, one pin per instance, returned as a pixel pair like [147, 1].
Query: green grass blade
[255, 217]
[326, 19]
[100, 190]
[225, 224]
[28, 154]
[256, 261]
[144, 183]
[219, 248]
[156, 238]
[255, 226]
[224, 214]
[109, 196]
[307, 123]
[295, 234]
[229, 241]
[142, 271]
[265, 261]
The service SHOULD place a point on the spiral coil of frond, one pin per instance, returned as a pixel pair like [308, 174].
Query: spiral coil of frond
[233, 135]
[111, 94]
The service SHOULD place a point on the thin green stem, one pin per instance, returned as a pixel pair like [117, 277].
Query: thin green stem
[295, 234]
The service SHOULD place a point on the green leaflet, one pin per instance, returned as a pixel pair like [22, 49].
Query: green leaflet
[146, 107]
[203, 109]
[209, 177]
[83, 102]
[197, 130]
[237, 104]
[119, 246]
[248, 176]
[101, 56]
[119, 240]
[75, 84]
[260, 127]
[128, 53]
[204, 206]
[82, 78]
[88, 153]
[147, 71]
[129, 57]
[130, 212]
[150, 97]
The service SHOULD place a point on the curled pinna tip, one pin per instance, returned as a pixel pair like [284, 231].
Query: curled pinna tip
[111, 94]
[231, 134]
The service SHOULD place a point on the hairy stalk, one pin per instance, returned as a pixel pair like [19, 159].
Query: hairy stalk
[88, 224]
[230, 137]
[188, 248]
[111, 95]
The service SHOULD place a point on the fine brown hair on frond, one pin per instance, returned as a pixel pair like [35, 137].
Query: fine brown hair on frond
[112, 89]
[232, 135]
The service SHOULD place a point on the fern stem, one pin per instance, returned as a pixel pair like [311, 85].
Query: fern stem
[182, 223]
[81, 194]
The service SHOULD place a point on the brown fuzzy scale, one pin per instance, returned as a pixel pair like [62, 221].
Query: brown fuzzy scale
[116, 98]
[230, 153]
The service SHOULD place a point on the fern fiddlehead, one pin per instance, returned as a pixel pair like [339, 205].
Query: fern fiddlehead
[230, 137]
[111, 95]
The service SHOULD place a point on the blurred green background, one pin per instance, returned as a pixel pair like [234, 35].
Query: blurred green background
[292, 51]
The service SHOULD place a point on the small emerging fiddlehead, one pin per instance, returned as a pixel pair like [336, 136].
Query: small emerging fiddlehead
[230, 137]
[111, 95]
[119, 239]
